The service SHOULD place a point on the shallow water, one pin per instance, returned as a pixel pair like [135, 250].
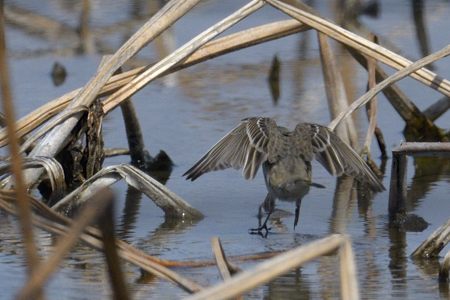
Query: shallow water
[187, 113]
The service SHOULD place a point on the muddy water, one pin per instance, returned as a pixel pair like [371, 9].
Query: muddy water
[186, 113]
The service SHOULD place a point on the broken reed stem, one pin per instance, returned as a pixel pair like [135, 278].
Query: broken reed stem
[363, 45]
[397, 186]
[388, 81]
[21, 202]
[437, 109]
[445, 268]
[45, 269]
[226, 269]
[133, 130]
[434, 243]
[381, 142]
[220, 259]
[51, 144]
[223, 45]
[169, 202]
[270, 269]
[181, 53]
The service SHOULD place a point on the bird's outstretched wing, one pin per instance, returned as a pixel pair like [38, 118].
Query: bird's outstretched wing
[337, 157]
[243, 147]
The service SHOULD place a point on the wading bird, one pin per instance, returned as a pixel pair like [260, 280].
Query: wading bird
[285, 157]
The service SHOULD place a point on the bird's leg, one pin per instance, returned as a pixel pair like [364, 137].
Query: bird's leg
[268, 205]
[297, 211]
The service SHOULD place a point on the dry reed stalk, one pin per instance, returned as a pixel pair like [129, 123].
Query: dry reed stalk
[388, 81]
[364, 46]
[52, 167]
[434, 243]
[169, 202]
[270, 269]
[60, 118]
[220, 259]
[439, 148]
[21, 202]
[349, 282]
[372, 106]
[110, 152]
[335, 91]
[51, 144]
[210, 50]
[226, 269]
[65, 243]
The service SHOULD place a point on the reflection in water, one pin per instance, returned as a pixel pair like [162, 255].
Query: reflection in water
[344, 197]
[328, 273]
[398, 262]
[160, 237]
[421, 32]
[130, 213]
[427, 172]
[160, 168]
[293, 285]
[274, 79]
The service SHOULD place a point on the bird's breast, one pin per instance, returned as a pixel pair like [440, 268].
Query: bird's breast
[288, 178]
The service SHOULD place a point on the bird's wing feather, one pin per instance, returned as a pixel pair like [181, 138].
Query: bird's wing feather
[338, 158]
[243, 147]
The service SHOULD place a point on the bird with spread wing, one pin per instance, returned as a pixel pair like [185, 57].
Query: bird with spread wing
[285, 157]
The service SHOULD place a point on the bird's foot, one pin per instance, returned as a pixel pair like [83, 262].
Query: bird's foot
[262, 230]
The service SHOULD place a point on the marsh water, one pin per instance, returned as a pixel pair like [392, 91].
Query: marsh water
[186, 113]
